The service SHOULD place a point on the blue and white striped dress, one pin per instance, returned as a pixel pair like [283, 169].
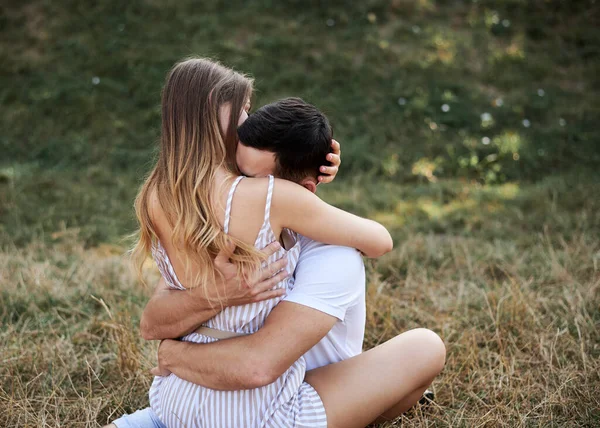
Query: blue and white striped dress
[287, 402]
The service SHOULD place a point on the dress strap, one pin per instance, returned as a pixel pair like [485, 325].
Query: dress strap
[228, 206]
[269, 198]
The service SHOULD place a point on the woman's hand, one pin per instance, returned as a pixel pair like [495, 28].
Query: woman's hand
[329, 172]
[234, 292]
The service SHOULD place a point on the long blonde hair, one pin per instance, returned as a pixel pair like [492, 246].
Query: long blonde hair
[192, 148]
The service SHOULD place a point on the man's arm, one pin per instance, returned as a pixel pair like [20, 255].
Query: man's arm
[251, 361]
[174, 313]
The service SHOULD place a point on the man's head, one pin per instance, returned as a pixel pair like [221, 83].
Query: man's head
[288, 138]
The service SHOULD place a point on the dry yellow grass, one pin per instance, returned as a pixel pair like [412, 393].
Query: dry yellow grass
[520, 323]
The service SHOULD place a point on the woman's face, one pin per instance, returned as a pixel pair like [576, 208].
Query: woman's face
[253, 162]
[250, 161]
[225, 113]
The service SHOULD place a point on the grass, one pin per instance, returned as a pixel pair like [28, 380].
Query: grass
[469, 128]
[518, 313]
[520, 320]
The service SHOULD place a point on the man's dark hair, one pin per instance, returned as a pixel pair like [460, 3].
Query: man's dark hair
[296, 131]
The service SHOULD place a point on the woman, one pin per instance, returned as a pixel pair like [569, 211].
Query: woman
[193, 205]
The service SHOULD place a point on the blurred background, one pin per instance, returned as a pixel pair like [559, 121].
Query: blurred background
[470, 128]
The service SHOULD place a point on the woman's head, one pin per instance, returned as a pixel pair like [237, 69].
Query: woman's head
[196, 140]
[195, 94]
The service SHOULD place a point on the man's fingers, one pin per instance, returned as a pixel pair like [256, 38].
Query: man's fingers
[269, 283]
[270, 294]
[267, 275]
[268, 271]
[273, 268]
[156, 371]
[271, 249]
[225, 254]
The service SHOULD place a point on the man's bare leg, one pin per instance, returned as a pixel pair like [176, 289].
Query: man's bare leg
[382, 382]
[402, 406]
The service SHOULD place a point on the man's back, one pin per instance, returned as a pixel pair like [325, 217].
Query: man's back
[331, 279]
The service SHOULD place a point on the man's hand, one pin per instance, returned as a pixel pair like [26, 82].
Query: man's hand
[235, 292]
[160, 369]
[249, 361]
[174, 313]
[335, 158]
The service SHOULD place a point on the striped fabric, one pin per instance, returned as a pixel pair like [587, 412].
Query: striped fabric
[287, 402]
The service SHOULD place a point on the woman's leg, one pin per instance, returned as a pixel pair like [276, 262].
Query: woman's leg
[383, 381]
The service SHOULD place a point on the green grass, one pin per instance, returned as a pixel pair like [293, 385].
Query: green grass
[469, 128]
[520, 321]
[63, 134]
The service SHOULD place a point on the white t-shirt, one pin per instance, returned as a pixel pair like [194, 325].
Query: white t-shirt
[331, 279]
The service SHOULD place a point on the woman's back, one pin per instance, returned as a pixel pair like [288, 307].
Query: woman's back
[244, 319]
[286, 402]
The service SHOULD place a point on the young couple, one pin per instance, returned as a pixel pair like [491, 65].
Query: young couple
[273, 312]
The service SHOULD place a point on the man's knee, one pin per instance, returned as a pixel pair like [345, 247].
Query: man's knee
[435, 347]
[429, 349]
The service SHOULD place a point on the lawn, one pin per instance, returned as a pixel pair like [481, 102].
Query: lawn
[469, 128]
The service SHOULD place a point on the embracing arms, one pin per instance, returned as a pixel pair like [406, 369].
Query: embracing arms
[294, 326]
[174, 313]
[251, 361]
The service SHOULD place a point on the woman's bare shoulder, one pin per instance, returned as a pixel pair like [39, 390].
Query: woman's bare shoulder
[156, 211]
[248, 209]
[251, 193]
[283, 190]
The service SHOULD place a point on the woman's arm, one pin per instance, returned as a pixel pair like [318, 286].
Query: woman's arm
[300, 210]
[174, 313]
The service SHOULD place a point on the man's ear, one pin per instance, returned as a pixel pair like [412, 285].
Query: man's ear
[310, 184]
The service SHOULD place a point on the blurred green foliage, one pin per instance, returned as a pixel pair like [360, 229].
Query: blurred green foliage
[418, 91]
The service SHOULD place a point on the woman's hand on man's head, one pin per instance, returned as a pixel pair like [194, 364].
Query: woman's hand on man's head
[335, 159]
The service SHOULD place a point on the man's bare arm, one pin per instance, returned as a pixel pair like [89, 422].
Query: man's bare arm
[174, 313]
[251, 361]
